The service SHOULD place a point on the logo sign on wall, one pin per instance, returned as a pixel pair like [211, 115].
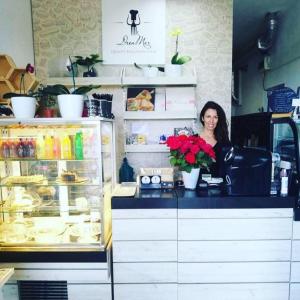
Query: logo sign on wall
[133, 31]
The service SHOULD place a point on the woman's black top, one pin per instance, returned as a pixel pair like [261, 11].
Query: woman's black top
[217, 169]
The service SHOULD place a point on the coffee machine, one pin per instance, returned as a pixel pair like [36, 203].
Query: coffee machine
[248, 172]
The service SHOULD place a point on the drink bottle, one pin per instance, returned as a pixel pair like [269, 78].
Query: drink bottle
[40, 147]
[48, 147]
[31, 148]
[5, 149]
[56, 147]
[66, 148]
[20, 148]
[78, 146]
[12, 149]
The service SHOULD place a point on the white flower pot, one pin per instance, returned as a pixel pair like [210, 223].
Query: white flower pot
[173, 70]
[23, 107]
[150, 72]
[190, 179]
[70, 106]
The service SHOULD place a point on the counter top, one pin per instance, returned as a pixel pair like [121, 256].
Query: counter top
[147, 199]
[188, 199]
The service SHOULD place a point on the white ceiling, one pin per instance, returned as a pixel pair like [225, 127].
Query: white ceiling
[248, 17]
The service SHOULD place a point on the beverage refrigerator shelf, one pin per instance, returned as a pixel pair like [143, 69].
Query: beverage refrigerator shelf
[30, 159]
[53, 122]
[161, 115]
[51, 184]
[147, 148]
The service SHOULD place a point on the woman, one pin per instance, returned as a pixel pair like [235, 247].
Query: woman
[215, 133]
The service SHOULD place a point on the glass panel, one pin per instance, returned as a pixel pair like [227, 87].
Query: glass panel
[51, 184]
[284, 143]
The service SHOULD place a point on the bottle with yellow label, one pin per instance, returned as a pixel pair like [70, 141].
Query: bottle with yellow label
[40, 147]
[48, 147]
[66, 147]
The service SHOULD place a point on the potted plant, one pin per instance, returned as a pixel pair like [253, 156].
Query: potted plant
[175, 68]
[88, 62]
[23, 103]
[189, 154]
[47, 103]
[70, 101]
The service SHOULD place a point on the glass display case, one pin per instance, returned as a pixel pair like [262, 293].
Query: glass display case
[277, 133]
[56, 179]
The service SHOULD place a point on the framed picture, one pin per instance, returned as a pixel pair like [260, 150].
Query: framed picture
[183, 131]
[141, 98]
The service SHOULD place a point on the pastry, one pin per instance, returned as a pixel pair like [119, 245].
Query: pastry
[23, 179]
[69, 176]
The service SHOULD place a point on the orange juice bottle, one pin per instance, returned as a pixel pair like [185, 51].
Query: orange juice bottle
[66, 147]
[56, 147]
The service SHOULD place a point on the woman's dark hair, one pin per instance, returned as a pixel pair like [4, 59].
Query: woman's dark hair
[221, 130]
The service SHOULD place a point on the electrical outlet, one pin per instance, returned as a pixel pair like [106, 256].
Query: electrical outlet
[267, 62]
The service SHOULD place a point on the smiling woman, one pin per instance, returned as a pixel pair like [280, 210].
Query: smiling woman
[215, 132]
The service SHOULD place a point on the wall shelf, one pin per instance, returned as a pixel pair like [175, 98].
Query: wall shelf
[186, 80]
[157, 115]
[82, 81]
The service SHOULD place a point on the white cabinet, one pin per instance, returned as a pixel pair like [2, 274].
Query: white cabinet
[145, 254]
[295, 265]
[234, 254]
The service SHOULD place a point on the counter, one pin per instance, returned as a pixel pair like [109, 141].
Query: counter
[208, 199]
[185, 244]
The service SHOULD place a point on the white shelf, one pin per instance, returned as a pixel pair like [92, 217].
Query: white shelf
[159, 115]
[161, 81]
[147, 148]
[82, 81]
[186, 80]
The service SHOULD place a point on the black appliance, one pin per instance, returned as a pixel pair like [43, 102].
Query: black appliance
[248, 172]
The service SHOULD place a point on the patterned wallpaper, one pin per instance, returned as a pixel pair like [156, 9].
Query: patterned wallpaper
[73, 27]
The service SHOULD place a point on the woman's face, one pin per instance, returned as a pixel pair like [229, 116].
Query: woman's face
[210, 119]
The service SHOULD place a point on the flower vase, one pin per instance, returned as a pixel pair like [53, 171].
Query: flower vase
[172, 70]
[190, 179]
[23, 107]
[70, 105]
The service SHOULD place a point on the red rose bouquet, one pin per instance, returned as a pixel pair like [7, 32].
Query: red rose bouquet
[190, 152]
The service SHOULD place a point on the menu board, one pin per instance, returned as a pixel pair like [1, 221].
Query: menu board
[280, 99]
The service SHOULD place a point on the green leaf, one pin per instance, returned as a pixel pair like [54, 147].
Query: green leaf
[174, 59]
[85, 89]
[173, 161]
[9, 95]
[57, 89]
[183, 60]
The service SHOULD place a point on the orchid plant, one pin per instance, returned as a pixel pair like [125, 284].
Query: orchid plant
[22, 88]
[177, 59]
